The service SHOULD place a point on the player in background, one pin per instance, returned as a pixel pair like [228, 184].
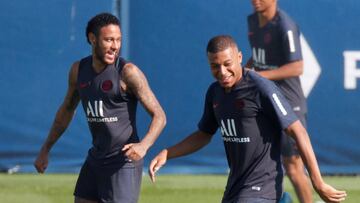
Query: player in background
[251, 112]
[109, 88]
[276, 55]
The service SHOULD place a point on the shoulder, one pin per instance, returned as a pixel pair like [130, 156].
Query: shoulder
[211, 91]
[285, 21]
[284, 16]
[129, 70]
[133, 78]
[252, 19]
[73, 73]
[264, 85]
[85, 61]
[213, 87]
[75, 68]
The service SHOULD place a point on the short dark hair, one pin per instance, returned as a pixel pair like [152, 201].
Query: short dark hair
[220, 43]
[97, 22]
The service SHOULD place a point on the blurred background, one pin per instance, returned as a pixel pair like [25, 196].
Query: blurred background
[167, 40]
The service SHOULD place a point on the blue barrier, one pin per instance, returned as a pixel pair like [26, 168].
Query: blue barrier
[167, 41]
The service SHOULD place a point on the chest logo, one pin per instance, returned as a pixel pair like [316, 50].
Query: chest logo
[95, 109]
[229, 128]
[107, 85]
[258, 55]
[267, 38]
[239, 104]
[228, 131]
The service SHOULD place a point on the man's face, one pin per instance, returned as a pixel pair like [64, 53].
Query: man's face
[225, 66]
[107, 44]
[262, 5]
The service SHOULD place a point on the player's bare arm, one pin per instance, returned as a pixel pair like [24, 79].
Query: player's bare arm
[190, 144]
[62, 119]
[136, 83]
[288, 70]
[326, 192]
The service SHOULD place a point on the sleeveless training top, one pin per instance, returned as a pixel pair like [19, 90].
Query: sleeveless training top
[110, 112]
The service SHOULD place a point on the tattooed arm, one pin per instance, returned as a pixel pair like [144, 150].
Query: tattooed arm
[62, 119]
[136, 83]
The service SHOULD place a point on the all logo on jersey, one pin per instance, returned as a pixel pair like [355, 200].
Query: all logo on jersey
[228, 132]
[258, 55]
[106, 85]
[95, 112]
[95, 109]
[228, 128]
[259, 59]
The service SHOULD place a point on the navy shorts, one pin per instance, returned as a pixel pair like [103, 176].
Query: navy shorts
[116, 183]
[288, 144]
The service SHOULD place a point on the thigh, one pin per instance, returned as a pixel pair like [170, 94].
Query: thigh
[85, 188]
[120, 185]
[252, 200]
[255, 200]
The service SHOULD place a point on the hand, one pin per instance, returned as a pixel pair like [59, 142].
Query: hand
[157, 163]
[134, 151]
[330, 194]
[41, 162]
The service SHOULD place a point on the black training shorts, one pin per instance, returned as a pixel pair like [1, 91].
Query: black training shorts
[116, 183]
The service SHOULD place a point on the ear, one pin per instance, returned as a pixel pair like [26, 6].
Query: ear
[240, 56]
[92, 38]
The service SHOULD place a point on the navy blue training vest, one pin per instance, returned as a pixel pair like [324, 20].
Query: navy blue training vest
[110, 112]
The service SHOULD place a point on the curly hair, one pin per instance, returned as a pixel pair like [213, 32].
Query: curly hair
[97, 22]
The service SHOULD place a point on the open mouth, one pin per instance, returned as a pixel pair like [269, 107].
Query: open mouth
[111, 55]
[225, 80]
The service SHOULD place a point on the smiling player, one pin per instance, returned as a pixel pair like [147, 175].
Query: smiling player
[109, 88]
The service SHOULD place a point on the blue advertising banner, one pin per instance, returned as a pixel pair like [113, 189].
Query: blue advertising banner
[167, 40]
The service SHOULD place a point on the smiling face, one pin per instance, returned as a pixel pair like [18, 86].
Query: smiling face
[106, 45]
[263, 5]
[226, 66]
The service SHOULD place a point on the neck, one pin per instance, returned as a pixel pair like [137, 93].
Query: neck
[267, 15]
[97, 64]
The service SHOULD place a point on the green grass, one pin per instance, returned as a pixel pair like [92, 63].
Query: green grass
[58, 188]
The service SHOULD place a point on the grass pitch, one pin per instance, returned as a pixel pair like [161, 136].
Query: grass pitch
[58, 188]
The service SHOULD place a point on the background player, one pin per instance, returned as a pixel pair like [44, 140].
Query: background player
[109, 88]
[251, 112]
[276, 55]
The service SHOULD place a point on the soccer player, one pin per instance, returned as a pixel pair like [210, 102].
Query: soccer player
[109, 88]
[250, 112]
[276, 55]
